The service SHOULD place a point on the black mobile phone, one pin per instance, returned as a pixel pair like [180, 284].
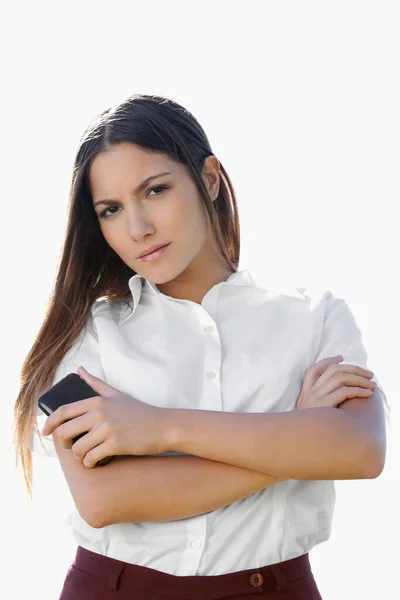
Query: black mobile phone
[69, 389]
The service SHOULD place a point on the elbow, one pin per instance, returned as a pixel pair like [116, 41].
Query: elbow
[94, 519]
[373, 458]
[93, 514]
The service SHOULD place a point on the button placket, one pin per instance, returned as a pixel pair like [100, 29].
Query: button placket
[195, 544]
[212, 362]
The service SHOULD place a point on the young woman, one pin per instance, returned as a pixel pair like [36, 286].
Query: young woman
[229, 409]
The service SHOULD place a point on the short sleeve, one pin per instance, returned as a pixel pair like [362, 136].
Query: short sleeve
[85, 351]
[341, 335]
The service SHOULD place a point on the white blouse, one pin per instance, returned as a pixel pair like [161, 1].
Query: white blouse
[244, 349]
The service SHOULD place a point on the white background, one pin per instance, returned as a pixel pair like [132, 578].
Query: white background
[300, 101]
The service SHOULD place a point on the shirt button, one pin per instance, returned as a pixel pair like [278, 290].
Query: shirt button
[211, 375]
[196, 544]
[256, 580]
[208, 328]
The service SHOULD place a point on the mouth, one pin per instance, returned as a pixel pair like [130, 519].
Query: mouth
[155, 254]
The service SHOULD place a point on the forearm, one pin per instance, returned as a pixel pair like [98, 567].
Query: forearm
[137, 489]
[178, 487]
[317, 443]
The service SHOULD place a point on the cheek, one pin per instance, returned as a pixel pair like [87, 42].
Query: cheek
[112, 235]
[200, 222]
[192, 216]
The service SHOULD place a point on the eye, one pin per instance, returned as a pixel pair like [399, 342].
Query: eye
[103, 214]
[159, 187]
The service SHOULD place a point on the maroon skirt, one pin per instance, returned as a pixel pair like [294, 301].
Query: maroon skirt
[96, 577]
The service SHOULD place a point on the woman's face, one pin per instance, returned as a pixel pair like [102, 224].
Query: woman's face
[166, 210]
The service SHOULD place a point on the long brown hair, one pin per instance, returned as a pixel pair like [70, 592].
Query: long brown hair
[88, 268]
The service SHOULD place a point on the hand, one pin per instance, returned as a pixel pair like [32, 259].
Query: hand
[327, 383]
[116, 424]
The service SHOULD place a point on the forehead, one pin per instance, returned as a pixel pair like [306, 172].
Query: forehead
[128, 163]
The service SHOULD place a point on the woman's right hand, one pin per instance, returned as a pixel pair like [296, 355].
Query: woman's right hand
[326, 383]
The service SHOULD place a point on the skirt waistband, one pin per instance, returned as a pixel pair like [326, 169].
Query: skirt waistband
[192, 587]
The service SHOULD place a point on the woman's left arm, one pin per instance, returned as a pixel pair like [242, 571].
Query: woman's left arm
[344, 442]
[348, 442]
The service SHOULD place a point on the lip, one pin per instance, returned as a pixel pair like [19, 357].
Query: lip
[151, 249]
[154, 252]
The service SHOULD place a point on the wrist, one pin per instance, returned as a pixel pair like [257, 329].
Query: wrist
[169, 429]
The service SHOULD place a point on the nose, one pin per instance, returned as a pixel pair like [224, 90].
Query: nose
[139, 223]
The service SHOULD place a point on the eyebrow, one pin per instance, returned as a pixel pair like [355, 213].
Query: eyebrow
[139, 188]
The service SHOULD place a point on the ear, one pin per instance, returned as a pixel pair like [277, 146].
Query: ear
[211, 176]
[99, 386]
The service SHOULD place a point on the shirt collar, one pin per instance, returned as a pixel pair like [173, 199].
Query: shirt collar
[139, 284]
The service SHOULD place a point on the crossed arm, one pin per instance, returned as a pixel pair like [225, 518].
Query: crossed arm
[231, 456]
[165, 488]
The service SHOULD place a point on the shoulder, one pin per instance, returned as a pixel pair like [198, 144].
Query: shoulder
[310, 298]
[88, 336]
[326, 306]
[110, 310]
[314, 295]
[311, 304]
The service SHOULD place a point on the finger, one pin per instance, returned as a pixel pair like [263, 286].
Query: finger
[97, 453]
[345, 393]
[87, 442]
[321, 365]
[66, 432]
[67, 412]
[333, 384]
[347, 370]
[317, 369]
[360, 371]
[342, 375]
[99, 386]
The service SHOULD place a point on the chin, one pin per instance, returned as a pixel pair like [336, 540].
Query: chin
[160, 276]
[154, 275]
